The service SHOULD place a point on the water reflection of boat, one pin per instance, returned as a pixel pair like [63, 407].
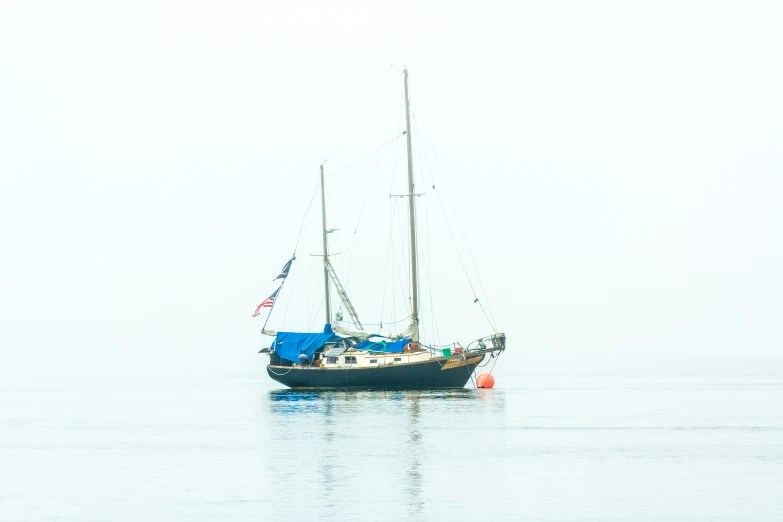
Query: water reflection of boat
[344, 356]
[317, 401]
[351, 454]
[413, 482]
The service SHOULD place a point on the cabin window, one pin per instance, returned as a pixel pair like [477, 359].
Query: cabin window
[350, 359]
[373, 361]
[398, 358]
[331, 360]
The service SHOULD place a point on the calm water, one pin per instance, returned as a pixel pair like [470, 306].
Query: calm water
[542, 447]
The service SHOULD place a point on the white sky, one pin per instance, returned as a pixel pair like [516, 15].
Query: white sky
[617, 168]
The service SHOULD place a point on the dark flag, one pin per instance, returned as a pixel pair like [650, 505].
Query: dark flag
[284, 271]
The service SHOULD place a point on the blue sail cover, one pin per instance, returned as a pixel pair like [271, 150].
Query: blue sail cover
[289, 345]
[378, 346]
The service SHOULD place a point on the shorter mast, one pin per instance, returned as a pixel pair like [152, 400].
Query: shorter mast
[326, 250]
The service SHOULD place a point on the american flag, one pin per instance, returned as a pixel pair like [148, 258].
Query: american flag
[268, 302]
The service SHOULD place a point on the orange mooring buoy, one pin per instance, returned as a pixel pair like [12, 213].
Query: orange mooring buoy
[485, 380]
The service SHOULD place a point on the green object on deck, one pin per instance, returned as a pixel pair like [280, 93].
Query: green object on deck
[447, 352]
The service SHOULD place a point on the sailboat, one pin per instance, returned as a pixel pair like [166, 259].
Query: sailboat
[352, 357]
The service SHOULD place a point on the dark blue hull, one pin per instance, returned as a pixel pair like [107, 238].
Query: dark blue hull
[411, 376]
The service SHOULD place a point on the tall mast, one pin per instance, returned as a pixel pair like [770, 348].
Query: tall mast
[414, 268]
[326, 250]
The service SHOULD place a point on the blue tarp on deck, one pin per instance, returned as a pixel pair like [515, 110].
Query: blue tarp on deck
[289, 345]
[378, 346]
